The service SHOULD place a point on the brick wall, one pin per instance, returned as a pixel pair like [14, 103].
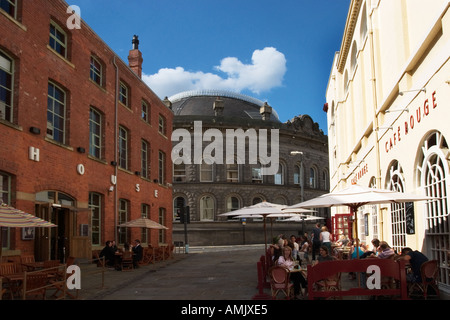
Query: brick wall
[26, 41]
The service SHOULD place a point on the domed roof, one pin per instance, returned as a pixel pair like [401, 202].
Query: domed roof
[201, 102]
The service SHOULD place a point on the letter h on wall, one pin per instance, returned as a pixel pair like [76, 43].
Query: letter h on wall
[33, 154]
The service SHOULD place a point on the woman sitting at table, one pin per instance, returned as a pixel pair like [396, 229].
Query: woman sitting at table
[286, 261]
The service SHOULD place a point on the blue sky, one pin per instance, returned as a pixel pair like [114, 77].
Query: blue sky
[277, 51]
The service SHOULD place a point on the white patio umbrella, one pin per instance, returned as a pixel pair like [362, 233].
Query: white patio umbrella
[356, 196]
[262, 209]
[11, 217]
[143, 223]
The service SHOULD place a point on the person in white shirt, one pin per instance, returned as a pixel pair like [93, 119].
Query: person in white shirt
[325, 238]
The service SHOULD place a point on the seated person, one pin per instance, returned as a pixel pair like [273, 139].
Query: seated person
[286, 261]
[385, 251]
[324, 255]
[108, 253]
[415, 259]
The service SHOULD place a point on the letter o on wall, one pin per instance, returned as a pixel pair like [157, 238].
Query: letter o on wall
[80, 169]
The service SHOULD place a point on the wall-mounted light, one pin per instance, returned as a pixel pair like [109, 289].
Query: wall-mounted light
[138, 173]
[113, 163]
[111, 189]
[81, 150]
[396, 110]
[412, 90]
[294, 153]
[35, 130]
[387, 128]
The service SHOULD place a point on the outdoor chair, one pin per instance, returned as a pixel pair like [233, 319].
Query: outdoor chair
[279, 282]
[35, 285]
[101, 262]
[332, 283]
[127, 261]
[429, 272]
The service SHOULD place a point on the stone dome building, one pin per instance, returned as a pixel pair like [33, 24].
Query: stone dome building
[205, 124]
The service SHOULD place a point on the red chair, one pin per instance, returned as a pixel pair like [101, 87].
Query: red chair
[279, 281]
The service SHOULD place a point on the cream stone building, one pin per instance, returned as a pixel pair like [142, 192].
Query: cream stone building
[388, 109]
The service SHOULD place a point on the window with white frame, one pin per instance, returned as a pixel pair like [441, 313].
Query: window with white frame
[124, 94]
[96, 74]
[233, 172]
[279, 176]
[123, 148]
[179, 172]
[161, 167]
[6, 87]
[162, 221]
[95, 133]
[123, 218]
[207, 208]
[145, 112]
[95, 204]
[145, 153]
[398, 212]
[56, 113]
[206, 172]
[58, 39]
[10, 7]
[5, 197]
[145, 213]
[433, 173]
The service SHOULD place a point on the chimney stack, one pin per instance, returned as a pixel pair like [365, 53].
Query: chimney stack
[135, 57]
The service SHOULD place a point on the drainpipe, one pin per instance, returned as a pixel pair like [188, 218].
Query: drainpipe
[116, 105]
[375, 117]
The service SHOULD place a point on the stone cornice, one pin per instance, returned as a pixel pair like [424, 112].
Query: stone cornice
[350, 24]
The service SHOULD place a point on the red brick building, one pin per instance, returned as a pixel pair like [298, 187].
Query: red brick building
[84, 142]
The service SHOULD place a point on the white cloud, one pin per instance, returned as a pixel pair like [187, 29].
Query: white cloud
[264, 73]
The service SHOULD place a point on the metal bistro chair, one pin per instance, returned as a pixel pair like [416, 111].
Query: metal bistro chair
[429, 272]
[279, 281]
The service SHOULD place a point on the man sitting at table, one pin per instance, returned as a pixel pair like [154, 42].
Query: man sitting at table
[138, 253]
[108, 253]
[415, 259]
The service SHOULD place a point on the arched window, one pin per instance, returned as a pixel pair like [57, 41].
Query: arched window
[178, 204]
[312, 178]
[363, 23]
[433, 173]
[233, 203]
[353, 56]
[297, 174]
[207, 208]
[398, 211]
[279, 176]
[257, 200]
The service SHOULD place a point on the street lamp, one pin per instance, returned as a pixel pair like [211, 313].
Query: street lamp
[294, 153]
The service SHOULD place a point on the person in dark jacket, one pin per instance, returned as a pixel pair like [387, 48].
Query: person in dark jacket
[138, 253]
[108, 253]
[415, 259]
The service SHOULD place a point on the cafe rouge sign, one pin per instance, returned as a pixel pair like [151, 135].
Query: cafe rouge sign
[408, 123]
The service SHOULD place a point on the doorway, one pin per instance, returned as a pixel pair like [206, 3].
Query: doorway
[54, 243]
